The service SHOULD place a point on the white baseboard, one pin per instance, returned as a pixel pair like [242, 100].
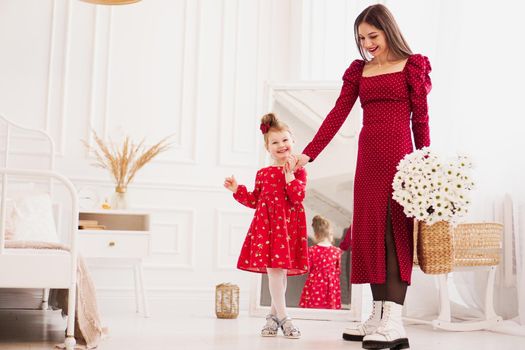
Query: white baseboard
[173, 294]
[31, 298]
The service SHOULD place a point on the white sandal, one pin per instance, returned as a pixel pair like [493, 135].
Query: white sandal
[289, 330]
[271, 326]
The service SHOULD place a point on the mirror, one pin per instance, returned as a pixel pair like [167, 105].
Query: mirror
[296, 289]
[303, 106]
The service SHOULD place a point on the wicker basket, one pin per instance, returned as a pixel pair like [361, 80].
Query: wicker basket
[227, 300]
[434, 247]
[477, 244]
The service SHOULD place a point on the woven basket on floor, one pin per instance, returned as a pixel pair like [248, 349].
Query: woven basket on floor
[227, 300]
[433, 247]
[477, 244]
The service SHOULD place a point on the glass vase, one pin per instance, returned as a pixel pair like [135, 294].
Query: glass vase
[119, 200]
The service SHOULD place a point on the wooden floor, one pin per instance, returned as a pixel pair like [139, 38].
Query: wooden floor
[178, 327]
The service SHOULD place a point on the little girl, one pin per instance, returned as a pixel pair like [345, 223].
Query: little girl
[322, 289]
[276, 242]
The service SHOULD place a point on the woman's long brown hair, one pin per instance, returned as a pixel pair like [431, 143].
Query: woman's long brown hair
[380, 17]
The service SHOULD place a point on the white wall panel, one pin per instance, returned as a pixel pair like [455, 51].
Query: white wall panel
[34, 65]
[173, 236]
[147, 56]
[239, 57]
[230, 230]
[194, 69]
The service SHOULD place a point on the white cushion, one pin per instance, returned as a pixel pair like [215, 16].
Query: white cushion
[32, 218]
[14, 190]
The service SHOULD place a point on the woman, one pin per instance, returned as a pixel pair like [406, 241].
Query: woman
[392, 85]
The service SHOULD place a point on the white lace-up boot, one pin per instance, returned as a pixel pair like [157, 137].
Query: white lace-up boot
[390, 334]
[357, 333]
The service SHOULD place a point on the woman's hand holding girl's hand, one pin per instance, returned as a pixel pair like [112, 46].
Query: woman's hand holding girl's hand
[302, 160]
[231, 184]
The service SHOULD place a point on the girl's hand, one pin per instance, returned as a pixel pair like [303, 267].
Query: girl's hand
[231, 184]
[301, 161]
[289, 176]
[290, 163]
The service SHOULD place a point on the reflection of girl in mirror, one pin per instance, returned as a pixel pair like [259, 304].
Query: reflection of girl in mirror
[392, 84]
[322, 289]
[276, 242]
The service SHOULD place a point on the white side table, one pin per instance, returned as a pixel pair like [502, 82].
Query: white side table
[126, 239]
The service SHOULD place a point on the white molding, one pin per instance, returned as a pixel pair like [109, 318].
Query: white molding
[193, 77]
[176, 249]
[166, 295]
[65, 74]
[171, 186]
[261, 75]
[183, 294]
[301, 85]
[195, 293]
[228, 146]
[233, 145]
[323, 52]
[96, 78]
[108, 70]
[230, 245]
[180, 98]
[169, 266]
[47, 121]
[101, 265]
[25, 153]
[190, 249]
[219, 215]
[220, 84]
[187, 115]
[51, 93]
[346, 43]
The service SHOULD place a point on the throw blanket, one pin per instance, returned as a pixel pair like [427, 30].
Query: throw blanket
[88, 330]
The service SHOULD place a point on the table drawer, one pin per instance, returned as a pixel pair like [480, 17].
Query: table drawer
[114, 245]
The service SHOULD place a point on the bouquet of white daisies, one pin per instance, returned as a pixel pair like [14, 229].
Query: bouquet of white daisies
[431, 189]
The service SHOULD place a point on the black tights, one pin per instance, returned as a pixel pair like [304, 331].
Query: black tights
[394, 289]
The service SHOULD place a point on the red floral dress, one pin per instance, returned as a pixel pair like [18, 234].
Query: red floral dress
[394, 107]
[322, 289]
[277, 236]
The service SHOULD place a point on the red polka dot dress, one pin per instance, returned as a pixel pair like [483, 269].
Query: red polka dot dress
[322, 289]
[394, 107]
[277, 236]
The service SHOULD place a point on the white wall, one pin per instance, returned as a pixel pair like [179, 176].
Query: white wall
[195, 69]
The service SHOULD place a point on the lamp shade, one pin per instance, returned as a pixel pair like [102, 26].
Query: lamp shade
[111, 2]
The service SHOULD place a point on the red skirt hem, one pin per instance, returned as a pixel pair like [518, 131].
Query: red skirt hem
[262, 269]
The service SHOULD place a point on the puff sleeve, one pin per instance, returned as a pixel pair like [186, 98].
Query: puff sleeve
[246, 197]
[335, 119]
[419, 85]
[295, 189]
